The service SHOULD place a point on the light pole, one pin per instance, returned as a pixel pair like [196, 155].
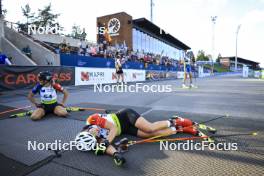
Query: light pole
[213, 19]
[151, 10]
[238, 27]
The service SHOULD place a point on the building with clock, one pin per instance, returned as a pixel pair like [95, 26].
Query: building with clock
[138, 35]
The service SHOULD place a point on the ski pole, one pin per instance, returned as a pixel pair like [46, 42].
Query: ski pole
[231, 135]
[213, 119]
[201, 137]
[16, 109]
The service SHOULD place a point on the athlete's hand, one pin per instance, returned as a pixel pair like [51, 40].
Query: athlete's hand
[61, 104]
[95, 119]
[105, 142]
[119, 159]
[101, 148]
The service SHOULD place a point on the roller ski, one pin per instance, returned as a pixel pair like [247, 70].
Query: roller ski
[28, 113]
[21, 114]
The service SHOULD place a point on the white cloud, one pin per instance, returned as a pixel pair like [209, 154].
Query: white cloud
[253, 17]
[187, 20]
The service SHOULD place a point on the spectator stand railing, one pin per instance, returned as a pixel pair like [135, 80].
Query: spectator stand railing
[17, 28]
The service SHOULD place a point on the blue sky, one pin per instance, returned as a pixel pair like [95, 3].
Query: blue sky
[187, 20]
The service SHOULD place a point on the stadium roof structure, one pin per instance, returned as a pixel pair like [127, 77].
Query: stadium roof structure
[147, 26]
[242, 60]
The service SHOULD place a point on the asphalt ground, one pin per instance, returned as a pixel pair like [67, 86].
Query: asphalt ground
[241, 98]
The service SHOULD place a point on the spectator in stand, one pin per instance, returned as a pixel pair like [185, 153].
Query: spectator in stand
[82, 47]
[87, 50]
[4, 60]
[63, 46]
[27, 51]
[93, 51]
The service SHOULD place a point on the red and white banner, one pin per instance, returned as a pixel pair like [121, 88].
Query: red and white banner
[90, 76]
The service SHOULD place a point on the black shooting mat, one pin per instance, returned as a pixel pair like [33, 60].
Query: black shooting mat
[53, 169]
[142, 159]
[148, 159]
[82, 115]
[10, 167]
[15, 134]
[6, 111]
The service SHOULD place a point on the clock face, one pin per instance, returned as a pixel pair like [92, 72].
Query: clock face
[113, 25]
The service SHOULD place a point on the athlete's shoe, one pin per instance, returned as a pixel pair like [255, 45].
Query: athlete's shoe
[207, 138]
[180, 122]
[185, 87]
[206, 128]
[193, 86]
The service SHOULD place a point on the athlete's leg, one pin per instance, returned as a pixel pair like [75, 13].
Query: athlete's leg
[60, 111]
[164, 132]
[118, 78]
[38, 114]
[148, 127]
[122, 77]
[184, 77]
[190, 76]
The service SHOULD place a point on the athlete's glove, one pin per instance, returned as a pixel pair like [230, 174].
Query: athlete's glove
[96, 119]
[119, 159]
[101, 148]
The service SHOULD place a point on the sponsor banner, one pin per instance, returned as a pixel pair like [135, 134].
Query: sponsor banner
[90, 76]
[132, 75]
[157, 75]
[171, 75]
[206, 74]
[21, 77]
[180, 74]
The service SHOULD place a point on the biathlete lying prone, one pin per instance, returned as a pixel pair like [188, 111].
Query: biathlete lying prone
[101, 129]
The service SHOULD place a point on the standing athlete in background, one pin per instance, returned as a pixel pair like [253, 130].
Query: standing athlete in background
[119, 70]
[47, 89]
[187, 73]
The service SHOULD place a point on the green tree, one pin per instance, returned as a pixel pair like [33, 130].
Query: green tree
[202, 57]
[3, 11]
[28, 14]
[46, 17]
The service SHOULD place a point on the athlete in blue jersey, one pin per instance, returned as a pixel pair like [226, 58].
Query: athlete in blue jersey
[47, 89]
[4, 60]
[187, 72]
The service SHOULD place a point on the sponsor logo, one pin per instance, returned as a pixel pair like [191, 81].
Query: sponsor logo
[31, 78]
[88, 76]
[84, 76]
